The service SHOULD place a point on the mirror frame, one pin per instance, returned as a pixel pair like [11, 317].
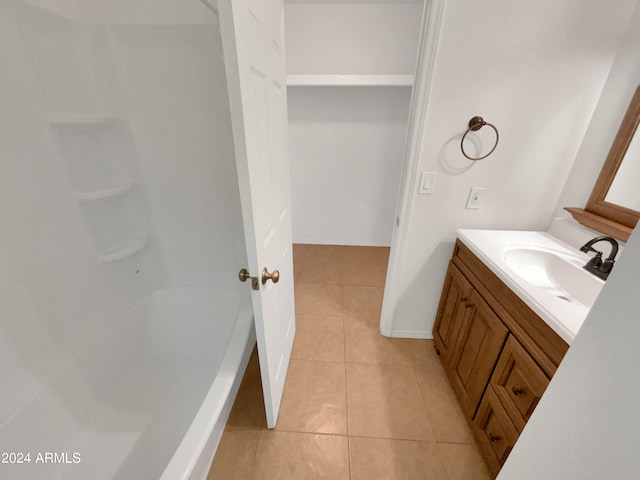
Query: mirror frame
[598, 214]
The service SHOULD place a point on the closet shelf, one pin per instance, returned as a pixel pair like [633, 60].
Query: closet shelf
[131, 246]
[295, 80]
[110, 192]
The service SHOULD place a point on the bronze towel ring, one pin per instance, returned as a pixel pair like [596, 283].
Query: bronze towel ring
[475, 124]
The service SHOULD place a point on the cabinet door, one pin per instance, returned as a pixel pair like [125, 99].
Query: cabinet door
[496, 433]
[518, 382]
[476, 351]
[451, 312]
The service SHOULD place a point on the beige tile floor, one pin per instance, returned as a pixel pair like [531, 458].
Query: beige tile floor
[356, 405]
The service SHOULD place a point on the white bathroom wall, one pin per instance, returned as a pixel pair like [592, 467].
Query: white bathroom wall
[612, 105]
[105, 129]
[56, 298]
[346, 143]
[162, 69]
[145, 12]
[138, 12]
[586, 424]
[174, 84]
[535, 70]
[341, 37]
[65, 8]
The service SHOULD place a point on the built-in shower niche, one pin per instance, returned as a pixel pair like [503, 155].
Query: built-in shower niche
[117, 222]
[99, 154]
[97, 150]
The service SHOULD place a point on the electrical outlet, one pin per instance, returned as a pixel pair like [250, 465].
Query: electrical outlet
[427, 182]
[475, 195]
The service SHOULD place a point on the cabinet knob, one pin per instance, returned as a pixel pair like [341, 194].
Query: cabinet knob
[494, 438]
[469, 305]
[464, 299]
[517, 391]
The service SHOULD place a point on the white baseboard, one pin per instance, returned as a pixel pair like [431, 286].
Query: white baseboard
[411, 334]
[341, 242]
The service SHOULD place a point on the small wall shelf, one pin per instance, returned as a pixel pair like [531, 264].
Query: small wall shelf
[110, 192]
[130, 246]
[97, 149]
[309, 80]
[80, 118]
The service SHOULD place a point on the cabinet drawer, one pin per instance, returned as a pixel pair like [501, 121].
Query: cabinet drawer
[495, 431]
[518, 382]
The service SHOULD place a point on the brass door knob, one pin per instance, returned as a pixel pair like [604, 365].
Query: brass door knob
[244, 275]
[273, 276]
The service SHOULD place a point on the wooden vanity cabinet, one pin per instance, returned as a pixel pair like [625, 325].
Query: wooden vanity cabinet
[498, 354]
[451, 312]
[478, 344]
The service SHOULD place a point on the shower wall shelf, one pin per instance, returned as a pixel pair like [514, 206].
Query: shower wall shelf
[110, 192]
[130, 247]
[99, 154]
[80, 118]
[310, 80]
[116, 218]
[97, 149]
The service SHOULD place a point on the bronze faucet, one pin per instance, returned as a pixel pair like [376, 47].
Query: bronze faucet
[600, 268]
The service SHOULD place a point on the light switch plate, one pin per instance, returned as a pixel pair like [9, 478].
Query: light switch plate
[427, 183]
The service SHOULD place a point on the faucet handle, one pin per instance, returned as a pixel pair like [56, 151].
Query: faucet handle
[596, 261]
[606, 266]
[596, 265]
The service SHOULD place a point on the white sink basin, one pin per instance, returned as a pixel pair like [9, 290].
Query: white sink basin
[556, 273]
[543, 271]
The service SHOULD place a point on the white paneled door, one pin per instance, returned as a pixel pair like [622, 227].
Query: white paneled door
[253, 42]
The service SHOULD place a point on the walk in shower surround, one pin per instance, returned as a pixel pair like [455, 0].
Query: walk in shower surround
[121, 237]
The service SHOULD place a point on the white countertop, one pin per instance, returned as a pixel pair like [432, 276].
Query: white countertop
[563, 316]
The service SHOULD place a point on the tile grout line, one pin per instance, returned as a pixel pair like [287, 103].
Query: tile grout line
[399, 439]
[346, 391]
[444, 464]
[316, 361]
[255, 454]
[424, 402]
